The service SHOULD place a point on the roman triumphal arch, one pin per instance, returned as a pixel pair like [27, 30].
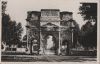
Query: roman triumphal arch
[46, 31]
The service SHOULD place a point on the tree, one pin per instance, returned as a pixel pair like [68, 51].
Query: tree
[15, 31]
[5, 21]
[24, 41]
[4, 3]
[11, 31]
[88, 36]
[19, 31]
[76, 32]
[89, 11]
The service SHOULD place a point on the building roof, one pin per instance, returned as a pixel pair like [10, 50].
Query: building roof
[66, 12]
[50, 10]
[34, 12]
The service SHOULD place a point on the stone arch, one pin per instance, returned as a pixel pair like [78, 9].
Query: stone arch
[67, 45]
[55, 38]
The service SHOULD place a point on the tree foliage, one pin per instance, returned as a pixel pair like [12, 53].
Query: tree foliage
[88, 11]
[88, 36]
[76, 33]
[11, 31]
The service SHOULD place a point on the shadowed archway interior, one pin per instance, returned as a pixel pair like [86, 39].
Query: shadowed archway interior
[50, 44]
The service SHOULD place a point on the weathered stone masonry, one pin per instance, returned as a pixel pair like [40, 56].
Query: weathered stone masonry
[45, 25]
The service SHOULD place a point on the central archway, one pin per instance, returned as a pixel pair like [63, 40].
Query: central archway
[49, 42]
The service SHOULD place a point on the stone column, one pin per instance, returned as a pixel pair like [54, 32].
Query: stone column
[28, 49]
[72, 37]
[59, 43]
[27, 38]
[41, 45]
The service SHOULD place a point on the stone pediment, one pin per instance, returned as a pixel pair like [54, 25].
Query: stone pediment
[49, 25]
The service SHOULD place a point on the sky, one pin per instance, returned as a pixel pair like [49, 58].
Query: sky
[17, 9]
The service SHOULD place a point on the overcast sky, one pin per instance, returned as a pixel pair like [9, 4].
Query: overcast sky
[17, 9]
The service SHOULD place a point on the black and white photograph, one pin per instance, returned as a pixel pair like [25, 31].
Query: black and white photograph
[49, 31]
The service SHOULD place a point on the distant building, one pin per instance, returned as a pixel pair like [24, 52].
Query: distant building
[49, 31]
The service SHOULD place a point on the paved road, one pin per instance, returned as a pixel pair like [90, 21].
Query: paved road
[47, 58]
